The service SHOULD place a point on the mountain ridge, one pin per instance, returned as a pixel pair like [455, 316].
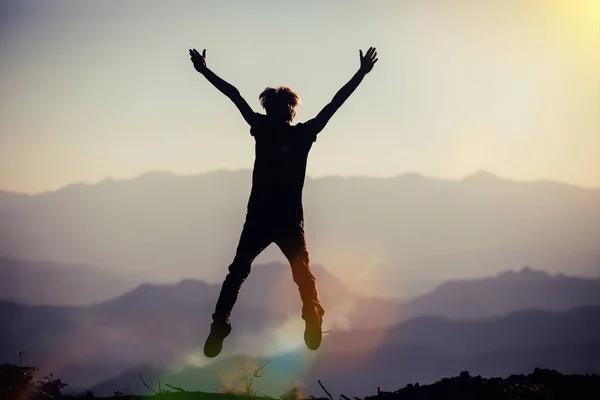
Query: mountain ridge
[397, 236]
[476, 176]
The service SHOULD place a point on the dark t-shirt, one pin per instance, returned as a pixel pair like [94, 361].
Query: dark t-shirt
[279, 169]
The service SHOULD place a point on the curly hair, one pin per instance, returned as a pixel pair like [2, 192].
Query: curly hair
[280, 102]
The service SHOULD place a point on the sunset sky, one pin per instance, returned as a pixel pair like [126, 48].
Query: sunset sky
[100, 89]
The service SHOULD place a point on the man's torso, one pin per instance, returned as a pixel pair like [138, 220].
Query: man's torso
[279, 169]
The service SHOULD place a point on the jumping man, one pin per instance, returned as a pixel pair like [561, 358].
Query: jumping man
[274, 213]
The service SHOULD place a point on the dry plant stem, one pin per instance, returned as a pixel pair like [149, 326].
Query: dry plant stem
[145, 384]
[175, 387]
[256, 372]
[255, 375]
[323, 387]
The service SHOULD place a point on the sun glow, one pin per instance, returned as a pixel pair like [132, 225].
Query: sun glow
[583, 17]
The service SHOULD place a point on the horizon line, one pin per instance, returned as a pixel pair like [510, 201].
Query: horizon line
[479, 172]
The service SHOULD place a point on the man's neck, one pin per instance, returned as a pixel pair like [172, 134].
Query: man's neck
[279, 121]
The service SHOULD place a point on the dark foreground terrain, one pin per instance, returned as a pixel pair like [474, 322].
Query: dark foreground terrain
[17, 383]
[541, 384]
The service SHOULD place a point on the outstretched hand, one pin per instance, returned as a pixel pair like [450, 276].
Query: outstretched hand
[199, 60]
[368, 60]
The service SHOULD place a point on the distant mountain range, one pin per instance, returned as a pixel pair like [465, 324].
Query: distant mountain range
[421, 350]
[50, 283]
[153, 323]
[505, 293]
[153, 326]
[399, 236]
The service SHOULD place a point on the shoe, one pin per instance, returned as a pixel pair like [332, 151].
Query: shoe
[313, 333]
[214, 343]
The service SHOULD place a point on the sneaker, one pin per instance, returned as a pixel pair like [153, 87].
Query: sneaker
[214, 343]
[312, 331]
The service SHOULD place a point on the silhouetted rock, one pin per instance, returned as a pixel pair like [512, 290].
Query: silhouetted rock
[541, 384]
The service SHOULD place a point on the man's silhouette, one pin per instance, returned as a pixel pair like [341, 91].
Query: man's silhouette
[274, 211]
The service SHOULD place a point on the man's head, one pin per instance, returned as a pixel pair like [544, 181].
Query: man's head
[280, 103]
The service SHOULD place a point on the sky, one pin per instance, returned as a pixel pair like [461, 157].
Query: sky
[90, 90]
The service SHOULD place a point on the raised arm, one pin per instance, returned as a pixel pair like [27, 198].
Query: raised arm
[366, 65]
[227, 89]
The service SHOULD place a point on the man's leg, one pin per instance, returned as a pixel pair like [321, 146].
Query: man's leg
[292, 242]
[254, 239]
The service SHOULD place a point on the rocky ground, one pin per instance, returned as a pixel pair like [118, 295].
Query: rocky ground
[541, 384]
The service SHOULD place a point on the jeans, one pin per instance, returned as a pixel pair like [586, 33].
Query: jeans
[256, 236]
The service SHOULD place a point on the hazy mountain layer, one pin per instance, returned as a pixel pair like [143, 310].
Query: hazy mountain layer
[399, 236]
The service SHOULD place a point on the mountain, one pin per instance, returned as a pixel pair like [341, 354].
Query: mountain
[50, 283]
[158, 325]
[398, 236]
[420, 350]
[155, 323]
[503, 294]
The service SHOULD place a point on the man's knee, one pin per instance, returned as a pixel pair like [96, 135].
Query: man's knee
[300, 259]
[239, 270]
[301, 270]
